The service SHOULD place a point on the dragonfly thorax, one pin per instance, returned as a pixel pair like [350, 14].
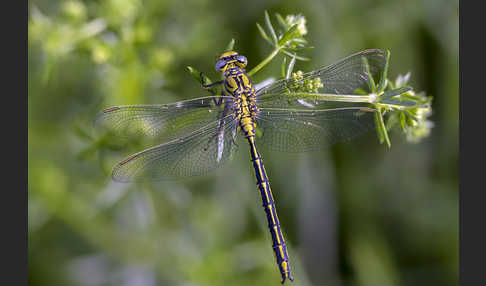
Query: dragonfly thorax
[237, 84]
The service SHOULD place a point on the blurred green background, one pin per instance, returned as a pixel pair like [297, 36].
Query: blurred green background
[354, 214]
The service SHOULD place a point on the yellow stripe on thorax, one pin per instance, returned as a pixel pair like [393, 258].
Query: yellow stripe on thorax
[246, 121]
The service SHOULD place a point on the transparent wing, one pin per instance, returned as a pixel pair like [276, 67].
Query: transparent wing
[306, 130]
[165, 120]
[195, 154]
[348, 76]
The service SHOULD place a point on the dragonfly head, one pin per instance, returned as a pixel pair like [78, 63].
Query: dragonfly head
[230, 59]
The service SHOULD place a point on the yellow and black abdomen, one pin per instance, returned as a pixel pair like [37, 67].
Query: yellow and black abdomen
[278, 241]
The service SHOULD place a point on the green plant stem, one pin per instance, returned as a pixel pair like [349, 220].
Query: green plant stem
[382, 127]
[348, 98]
[264, 62]
[335, 97]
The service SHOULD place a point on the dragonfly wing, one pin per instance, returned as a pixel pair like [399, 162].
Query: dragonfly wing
[349, 76]
[201, 151]
[307, 130]
[164, 120]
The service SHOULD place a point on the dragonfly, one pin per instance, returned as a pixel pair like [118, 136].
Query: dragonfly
[199, 134]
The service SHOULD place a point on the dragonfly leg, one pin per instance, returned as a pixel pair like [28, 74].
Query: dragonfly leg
[208, 86]
[219, 101]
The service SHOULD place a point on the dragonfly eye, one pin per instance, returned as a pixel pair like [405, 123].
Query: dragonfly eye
[242, 61]
[220, 65]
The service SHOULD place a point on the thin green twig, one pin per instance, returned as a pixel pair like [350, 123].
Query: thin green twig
[264, 62]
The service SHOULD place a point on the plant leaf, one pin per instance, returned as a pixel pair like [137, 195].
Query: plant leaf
[290, 68]
[282, 68]
[398, 102]
[392, 93]
[371, 81]
[288, 35]
[270, 28]
[281, 21]
[383, 80]
[292, 55]
[197, 76]
[264, 34]
[230, 45]
[381, 129]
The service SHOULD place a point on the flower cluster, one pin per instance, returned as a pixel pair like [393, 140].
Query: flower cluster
[299, 84]
[298, 20]
[413, 118]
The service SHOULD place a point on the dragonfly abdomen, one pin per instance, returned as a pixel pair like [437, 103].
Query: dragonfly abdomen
[278, 241]
[240, 87]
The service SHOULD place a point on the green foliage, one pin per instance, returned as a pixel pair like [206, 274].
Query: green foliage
[289, 40]
[403, 106]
